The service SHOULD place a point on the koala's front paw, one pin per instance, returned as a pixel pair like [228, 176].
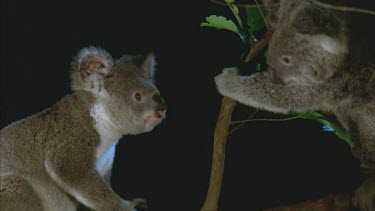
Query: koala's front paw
[139, 204]
[226, 81]
[364, 197]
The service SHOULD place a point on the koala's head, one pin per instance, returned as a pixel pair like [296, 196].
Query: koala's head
[124, 90]
[308, 45]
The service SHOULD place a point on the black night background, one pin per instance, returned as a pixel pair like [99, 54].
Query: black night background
[267, 163]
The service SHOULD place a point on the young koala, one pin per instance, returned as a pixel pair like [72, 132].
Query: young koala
[62, 156]
[319, 59]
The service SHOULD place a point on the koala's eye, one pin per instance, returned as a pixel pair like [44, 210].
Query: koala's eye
[138, 96]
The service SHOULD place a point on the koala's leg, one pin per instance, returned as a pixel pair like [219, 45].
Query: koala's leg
[363, 135]
[260, 92]
[364, 197]
[107, 176]
[138, 203]
[16, 194]
[86, 185]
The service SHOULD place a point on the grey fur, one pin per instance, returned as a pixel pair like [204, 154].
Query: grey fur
[62, 157]
[321, 60]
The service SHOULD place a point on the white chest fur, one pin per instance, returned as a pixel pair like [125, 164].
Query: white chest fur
[104, 158]
[109, 137]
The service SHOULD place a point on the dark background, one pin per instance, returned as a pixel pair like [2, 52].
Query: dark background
[267, 163]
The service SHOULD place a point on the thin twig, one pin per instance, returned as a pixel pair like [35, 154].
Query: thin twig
[240, 125]
[344, 8]
[261, 13]
[325, 5]
[238, 5]
[268, 120]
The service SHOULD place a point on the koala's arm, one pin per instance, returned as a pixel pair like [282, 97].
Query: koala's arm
[363, 135]
[364, 196]
[107, 176]
[74, 174]
[260, 92]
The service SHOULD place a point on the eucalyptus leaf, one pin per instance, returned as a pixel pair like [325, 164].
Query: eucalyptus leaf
[220, 22]
[254, 19]
[236, 14]
[235, 10]
[337, 129]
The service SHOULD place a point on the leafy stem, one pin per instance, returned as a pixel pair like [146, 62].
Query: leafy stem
[236, 14]
[268, 120]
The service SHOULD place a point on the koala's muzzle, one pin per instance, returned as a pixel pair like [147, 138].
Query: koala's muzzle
[273, 75]
[277, 79]
[161, 105]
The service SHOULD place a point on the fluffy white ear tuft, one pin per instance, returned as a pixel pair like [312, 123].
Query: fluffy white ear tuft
[90, 68]
[329, 44]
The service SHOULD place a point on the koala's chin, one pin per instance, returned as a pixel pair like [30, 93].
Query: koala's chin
[153, 120]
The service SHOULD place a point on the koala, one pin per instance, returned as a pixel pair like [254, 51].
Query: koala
[62, 157]
[318, 59]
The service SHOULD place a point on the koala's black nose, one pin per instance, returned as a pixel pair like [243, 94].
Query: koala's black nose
[277, 79]
[273, 76]
[160, 101]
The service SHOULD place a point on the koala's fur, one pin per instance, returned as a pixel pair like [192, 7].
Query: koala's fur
[319, 59]
[62, 156]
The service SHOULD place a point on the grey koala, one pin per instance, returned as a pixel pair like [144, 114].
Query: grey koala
[319, 59]
[62, 157]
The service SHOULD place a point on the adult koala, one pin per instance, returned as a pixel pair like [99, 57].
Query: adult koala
[319, 59]
[62, 157]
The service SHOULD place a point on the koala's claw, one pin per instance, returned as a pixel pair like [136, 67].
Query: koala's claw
[230, 70]
[139, 204]
[226, 81]
[364, 197]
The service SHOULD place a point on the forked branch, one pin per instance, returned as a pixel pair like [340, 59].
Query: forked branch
[220, 137]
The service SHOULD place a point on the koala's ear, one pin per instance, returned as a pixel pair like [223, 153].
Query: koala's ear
[147, 66]
[272, 11]
[89, 69]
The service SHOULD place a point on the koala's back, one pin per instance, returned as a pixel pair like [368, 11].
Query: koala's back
[21, 143]
[355, 85]
[24, 144]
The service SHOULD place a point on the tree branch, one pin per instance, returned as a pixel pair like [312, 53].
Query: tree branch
[329, 203]
[325, 5]
[220, 137]
[220, 140]
[238, 5]
[344, 8]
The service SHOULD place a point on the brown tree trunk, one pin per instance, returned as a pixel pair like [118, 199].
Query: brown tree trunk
[220, 140]
[330, 203]
[220, 137]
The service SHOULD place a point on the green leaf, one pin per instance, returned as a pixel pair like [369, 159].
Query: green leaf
[229, 1]
[254, 19]
[220, 22]
[236, 13]
[338, 129]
